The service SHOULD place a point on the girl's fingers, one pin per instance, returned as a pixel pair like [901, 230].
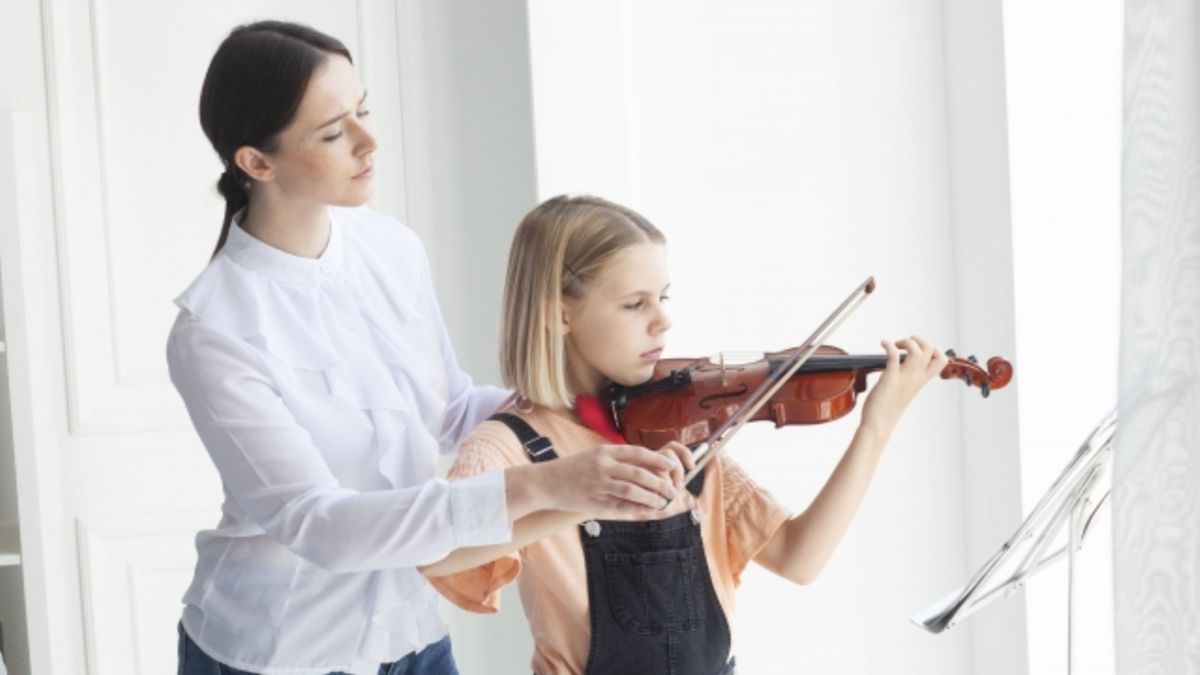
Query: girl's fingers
[936, 358]
[938, 363]
[893, 355]
[682, 453]
[681, 457]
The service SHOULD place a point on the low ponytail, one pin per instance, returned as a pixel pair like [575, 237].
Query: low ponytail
[234, 186]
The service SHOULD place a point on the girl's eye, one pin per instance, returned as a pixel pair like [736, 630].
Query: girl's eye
[363, 113]
[664, 298]
[635, 305]
[334, 137]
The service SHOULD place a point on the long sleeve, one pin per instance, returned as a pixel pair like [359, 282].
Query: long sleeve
[478, 589]
[467, 404]
[272, 469]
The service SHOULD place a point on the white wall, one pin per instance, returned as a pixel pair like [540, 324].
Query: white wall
[23, 89]
[1064, 109]
[468, 152]
[470, 176]
[983, 264]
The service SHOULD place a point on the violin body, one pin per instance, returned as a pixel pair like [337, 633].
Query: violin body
[686, 400]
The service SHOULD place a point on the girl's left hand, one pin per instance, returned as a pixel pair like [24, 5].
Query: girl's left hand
[901, 381]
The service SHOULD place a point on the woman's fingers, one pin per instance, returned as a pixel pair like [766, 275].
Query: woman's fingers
[633, 474]
[631, 478]
[622, 481]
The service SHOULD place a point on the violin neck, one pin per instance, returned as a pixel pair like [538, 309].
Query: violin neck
[830, 364]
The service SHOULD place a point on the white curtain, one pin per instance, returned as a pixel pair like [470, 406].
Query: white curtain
[1157, 460]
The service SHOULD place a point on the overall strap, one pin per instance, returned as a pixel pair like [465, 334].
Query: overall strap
[538, 447]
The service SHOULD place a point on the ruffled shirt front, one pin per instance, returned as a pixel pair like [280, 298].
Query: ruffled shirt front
[324, 390]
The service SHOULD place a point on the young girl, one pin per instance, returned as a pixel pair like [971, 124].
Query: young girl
[584, 310]
[312, 358]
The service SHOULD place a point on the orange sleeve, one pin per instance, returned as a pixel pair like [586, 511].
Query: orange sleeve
[478, 589]
[752, 515]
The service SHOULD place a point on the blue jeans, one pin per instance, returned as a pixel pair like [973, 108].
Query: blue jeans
[435, 659]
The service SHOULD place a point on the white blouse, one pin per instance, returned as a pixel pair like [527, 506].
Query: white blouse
[323, 389]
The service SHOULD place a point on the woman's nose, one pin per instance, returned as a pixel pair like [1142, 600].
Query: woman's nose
[366, 141]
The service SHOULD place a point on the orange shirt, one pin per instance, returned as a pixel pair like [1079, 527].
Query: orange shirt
[737, 518]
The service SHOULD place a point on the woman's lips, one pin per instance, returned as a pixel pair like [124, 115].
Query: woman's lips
[365, 173]
[652, 355]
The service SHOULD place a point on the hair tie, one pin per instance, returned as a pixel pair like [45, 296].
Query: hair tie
[231, 183]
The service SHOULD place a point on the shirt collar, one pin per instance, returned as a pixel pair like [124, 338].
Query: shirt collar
[273, 263]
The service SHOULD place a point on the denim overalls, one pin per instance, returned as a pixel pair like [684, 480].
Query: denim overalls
[653, 610]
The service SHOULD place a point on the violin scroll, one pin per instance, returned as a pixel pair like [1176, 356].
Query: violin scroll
[999, 372]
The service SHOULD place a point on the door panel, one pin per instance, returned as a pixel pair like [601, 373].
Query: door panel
[136, 217]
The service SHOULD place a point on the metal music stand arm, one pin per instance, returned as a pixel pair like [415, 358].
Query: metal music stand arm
[1070, 503]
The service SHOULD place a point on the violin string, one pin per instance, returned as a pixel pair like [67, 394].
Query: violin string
[731, 427]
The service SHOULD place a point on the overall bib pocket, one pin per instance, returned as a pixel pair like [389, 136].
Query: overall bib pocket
[656, 592]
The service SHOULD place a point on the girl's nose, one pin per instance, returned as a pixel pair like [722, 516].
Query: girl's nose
[663, 322]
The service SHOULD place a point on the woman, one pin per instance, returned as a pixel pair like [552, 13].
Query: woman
[312, 358]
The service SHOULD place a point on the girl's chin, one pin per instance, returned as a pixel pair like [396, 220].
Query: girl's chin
[634, 380]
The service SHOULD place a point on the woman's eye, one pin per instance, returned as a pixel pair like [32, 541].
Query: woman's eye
[363, 113]
[334, 137]
[635, 305]
[664, 298]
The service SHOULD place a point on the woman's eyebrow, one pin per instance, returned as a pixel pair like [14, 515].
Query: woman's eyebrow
[335, 119]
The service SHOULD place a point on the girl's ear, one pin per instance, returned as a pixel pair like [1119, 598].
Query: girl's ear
[254, 163]
[565, 323]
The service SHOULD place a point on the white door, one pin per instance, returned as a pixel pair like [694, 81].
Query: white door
[136, 218]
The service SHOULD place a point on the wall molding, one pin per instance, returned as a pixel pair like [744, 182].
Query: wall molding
[123, 562]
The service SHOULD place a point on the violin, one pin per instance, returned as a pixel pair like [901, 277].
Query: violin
[688, 399]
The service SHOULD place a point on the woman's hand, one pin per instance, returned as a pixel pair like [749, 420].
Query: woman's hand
[900, 382]
[608, 481]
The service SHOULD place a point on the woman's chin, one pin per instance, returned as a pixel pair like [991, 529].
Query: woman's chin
[357, 197]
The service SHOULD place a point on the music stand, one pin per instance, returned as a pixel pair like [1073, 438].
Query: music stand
[1071, 503]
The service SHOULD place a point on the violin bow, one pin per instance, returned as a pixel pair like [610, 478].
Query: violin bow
[705, 451]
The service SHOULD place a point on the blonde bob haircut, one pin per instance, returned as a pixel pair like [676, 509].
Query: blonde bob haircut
[559, 247]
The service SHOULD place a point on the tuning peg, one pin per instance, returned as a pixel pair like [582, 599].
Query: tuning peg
[950, 353]
[972, 359]
[985, 389]
[966, 378]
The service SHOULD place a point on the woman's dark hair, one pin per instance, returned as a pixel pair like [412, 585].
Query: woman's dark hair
[251, 92]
